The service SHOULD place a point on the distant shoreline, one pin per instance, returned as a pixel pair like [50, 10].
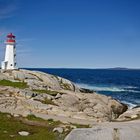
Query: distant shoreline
[85, 68]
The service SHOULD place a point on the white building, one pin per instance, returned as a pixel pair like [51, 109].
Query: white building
[9, 62]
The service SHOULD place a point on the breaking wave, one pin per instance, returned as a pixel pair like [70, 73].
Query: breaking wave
[120, 93]
[109, 88]
[123, 85]
[130, 105]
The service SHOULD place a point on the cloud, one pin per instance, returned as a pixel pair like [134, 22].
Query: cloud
[8, 8]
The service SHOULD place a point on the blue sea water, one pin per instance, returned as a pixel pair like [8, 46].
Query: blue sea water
[123, 85]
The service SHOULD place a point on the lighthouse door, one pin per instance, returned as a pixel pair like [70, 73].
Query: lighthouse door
[4, 65]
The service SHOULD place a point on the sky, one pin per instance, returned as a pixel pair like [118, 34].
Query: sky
[73, 33]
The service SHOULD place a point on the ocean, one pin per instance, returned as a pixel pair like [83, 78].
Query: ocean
[123, 85]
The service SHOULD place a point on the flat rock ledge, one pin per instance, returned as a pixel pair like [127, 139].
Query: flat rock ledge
[108, 131]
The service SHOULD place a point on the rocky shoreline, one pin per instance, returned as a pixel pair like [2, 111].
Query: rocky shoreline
[52, 95]
[24, 93]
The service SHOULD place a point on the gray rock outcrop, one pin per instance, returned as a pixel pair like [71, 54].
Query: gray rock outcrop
[58, 129]
[23, 133]
[62, 99]
[39, 80]
[107, 131]
[130, 114]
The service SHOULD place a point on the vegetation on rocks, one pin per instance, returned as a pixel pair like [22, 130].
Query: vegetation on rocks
[49, 122]
[47, 101]
[34, 118]
[81, 126]
[13, 84]
[49, 92]
[53, 93]
[65, 86]
[10, 126]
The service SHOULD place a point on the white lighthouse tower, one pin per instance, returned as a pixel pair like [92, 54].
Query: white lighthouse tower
[9, 62]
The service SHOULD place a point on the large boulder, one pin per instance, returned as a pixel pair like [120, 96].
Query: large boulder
[107, 131]
[39, 80]
[130, 114]
[89, 106]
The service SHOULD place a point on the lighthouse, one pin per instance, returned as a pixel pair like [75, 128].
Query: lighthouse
[9, 62]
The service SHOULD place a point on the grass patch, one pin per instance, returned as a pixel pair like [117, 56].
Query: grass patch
[46, 101]
[53, 93]
[49, 122]
[34, 118]
[13, 84]
[81, 126]
[10, 126]
[64, 85]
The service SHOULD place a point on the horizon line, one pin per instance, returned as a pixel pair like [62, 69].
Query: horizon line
[113, 68]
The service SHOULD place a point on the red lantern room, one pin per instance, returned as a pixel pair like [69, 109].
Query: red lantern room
[10, 38]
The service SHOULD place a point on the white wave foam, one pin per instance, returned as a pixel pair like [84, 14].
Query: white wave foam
[130, 87]
[137, 101]
[111, 89]
[114, 89]
[134, 91]
[130, 105]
